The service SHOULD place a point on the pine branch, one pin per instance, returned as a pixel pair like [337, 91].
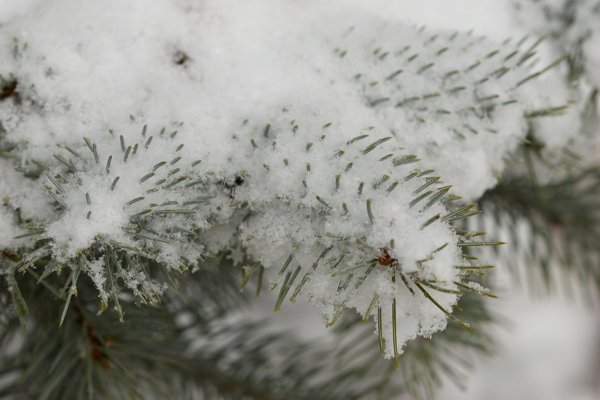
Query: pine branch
[187, 345]
[564, 216]
[425, 362]
[328, 209]
[569, 24]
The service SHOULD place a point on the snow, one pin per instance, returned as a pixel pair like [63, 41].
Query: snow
[11, 9]
[100, 204]
[284, 224]
[326, 152]
[578, 35]
[276, 104]
[62, 77]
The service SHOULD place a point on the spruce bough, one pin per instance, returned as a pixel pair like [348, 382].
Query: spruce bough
[134, 237]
